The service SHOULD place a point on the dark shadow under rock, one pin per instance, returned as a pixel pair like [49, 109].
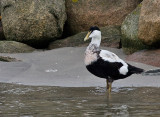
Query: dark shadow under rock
[2, 37]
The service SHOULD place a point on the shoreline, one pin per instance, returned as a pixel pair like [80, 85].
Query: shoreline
[64, 67]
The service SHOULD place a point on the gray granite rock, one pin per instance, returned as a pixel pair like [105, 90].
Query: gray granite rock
[33, 21]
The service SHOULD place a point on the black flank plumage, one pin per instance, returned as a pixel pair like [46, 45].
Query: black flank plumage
[105, 69]
[135, 70]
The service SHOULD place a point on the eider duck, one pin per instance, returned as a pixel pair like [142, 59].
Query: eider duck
[103, 63]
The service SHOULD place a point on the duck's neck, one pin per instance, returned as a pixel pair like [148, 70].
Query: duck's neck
[94, 45]
[96, 41]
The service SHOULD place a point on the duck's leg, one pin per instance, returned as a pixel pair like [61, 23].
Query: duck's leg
[109, 84]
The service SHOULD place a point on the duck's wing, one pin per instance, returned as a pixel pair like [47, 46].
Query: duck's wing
[110, 57]
[114, 61]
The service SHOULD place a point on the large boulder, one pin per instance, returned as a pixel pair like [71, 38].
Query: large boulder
[129, 30]
[85, 13]
[33, 21]
[111, 36]
[149, 22]
[150, 57]
[14, 47]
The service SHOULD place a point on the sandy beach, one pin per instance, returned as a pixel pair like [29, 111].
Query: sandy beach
[64, 67]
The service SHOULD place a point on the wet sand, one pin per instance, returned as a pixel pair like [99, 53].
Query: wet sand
[64, 67]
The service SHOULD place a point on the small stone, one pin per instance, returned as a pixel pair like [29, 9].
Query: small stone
[14, 47]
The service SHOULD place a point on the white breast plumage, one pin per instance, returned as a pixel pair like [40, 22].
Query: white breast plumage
[90, 57]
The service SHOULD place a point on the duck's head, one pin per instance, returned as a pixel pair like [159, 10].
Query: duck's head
[93, 33]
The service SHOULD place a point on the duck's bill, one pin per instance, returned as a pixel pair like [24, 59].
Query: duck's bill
[87, 36]
[0, 17]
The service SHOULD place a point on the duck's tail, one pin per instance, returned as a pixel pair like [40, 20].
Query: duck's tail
[154, 72]
[135, 70]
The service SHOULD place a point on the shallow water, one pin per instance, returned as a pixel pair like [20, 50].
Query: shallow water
[31, 101]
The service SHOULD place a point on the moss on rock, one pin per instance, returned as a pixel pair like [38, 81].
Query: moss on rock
[129, 29]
